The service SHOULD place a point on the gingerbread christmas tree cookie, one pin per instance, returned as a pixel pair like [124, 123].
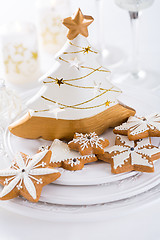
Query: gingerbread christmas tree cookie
[127, 155]
[27, 175]
[88, 143]
[140, 127]
[63, 156]
[76, 95]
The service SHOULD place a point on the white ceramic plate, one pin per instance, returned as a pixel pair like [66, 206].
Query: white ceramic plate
[100, 212]
[104, 193]
[116, 187]
[95, 173]
[140, 183]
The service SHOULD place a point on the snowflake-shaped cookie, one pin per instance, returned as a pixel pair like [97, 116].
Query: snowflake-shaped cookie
[63, 156]
[88, 143]
[140, 127]
[127, 155]
[27, 175]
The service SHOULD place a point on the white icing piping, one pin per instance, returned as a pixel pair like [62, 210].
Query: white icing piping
[139, 125]
[86, 140]
[24, 173]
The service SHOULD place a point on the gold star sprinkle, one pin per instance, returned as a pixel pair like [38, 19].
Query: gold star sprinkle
[59, 81]
[87, 49]
[107, 103]
[77, 24]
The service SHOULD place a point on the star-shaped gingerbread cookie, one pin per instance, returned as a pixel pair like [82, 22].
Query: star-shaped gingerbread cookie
[140, 127]
[63, 156]
[88, 143]
[77, 24]
[128, 155]
[27, 175]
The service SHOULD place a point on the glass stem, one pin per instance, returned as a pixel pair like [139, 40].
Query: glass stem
[134, 18]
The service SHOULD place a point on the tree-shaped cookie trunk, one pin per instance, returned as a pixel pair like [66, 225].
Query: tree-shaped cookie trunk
[76, 96]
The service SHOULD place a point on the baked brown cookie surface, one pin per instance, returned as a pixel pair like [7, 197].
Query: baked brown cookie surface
[63, 156]
[88, 143]
[128, 155]
[33, 127]
[140, 127]
[27, 176]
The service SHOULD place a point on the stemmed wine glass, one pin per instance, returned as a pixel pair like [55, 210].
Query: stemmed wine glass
[110, 56]
[133, 75]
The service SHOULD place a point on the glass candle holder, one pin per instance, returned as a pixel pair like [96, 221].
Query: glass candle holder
[20, 53]
[52, 33]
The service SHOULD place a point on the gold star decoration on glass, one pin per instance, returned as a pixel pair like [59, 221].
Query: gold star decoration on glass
[49, 37]
[6, 63]
[20, 49]
[34, 55]
[15, 63]
[15, 57]
[56, 21]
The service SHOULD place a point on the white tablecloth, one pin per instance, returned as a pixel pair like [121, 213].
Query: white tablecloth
[143, 224]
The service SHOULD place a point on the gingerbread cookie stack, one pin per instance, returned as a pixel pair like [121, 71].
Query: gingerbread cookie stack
[78, 152]
[27, 175]
[63, 156]
[134, 151]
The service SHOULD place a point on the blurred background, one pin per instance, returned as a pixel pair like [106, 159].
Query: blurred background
[116, 24]
[126, 32]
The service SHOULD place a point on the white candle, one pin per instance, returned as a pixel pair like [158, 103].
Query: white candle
[52, 33]
[20, 53]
